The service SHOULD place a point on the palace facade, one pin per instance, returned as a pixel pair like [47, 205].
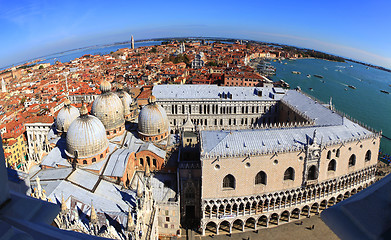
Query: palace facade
[266, 155]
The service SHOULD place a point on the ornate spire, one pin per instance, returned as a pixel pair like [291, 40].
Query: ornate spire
[152, 99]
[314, 137]
[93, 216]
[147, 172]
[83, 110]
[130, 226]
[139, 190]
[67, 102]
[63, 206]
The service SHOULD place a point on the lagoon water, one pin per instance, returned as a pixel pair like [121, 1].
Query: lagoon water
[95, 50]
[365, 103]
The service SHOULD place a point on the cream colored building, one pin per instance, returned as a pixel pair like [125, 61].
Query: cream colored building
[257, 178]
[289, 157]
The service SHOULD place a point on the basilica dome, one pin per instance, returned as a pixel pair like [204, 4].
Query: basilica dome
[152, 121]
[66, 116]
[86, 138]
[126, 100]
[109, 110]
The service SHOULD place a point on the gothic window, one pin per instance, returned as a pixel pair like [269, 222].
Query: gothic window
[94, 160]
[338, 153]
[141, 162]
[261, 178]
[148, 161]
[332, 165]
[154, 162]
[352, 160]
[368, 156]
[289, 174]
[329, 154]
[312, 173]
[229, 182]
[84, 161]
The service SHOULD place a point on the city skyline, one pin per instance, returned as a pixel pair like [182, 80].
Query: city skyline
[349, 29]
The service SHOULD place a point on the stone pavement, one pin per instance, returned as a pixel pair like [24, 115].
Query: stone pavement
[286, 231]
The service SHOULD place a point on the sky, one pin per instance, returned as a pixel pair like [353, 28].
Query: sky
[354, 29]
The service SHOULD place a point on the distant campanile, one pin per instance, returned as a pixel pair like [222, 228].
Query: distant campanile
[132, 42]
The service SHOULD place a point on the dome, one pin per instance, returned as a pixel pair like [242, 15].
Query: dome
[126, 100]
[152, 120]
[86, 136]
[108, 108]
[66, 116]
[105, 86]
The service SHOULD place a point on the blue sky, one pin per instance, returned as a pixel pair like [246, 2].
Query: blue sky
[356, 29]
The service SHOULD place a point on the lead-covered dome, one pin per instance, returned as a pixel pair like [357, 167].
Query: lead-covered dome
[66, 116]
[108, 108]
[152, 121]
[125, 98]
[86, 137]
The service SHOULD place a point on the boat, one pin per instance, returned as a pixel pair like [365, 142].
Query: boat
[346, 89]
[311, 89]
[319, 76]
[322, 81]
[296, 72]
[352, 87]
[308, 75]
[384, 91]
[351, 65]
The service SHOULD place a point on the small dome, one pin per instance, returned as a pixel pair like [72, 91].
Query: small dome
[126, 100]
[66, 116]
[105, 86]
[109, 109]
[152, 120]
[86, 137]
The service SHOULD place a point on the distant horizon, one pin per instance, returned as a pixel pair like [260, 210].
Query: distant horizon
[351, 29]
[176, 37]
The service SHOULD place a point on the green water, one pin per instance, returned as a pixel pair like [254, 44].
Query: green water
[365, 103]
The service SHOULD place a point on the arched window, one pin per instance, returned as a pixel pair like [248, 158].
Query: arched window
[332, 165]
[141, 162]
[84, 161]
[352, 160]
[368, 156]
[154, 162]
[229, 182]
[261, 178]
[289, 174]
[94, 160]
[338, 153]
[148, 161]
[101, 156]
[312, 173]
[329, 154]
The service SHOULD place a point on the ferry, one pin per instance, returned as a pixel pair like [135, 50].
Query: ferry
[296, 72]
[319, 76]
[384, 91]
[352, 87]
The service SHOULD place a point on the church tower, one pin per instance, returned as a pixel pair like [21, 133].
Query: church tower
[3, 88]
[132, 42]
